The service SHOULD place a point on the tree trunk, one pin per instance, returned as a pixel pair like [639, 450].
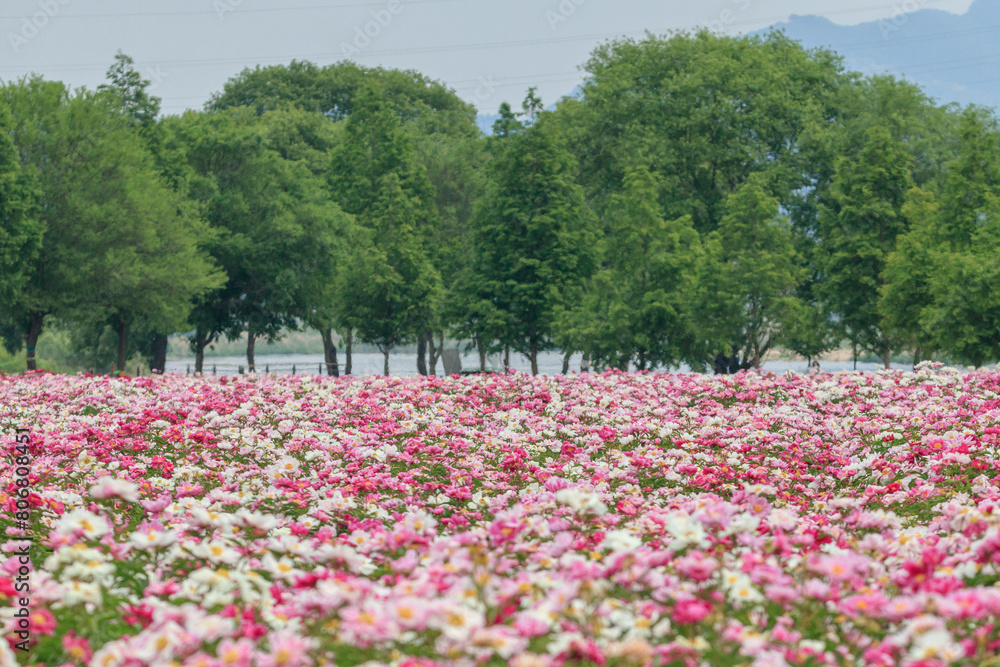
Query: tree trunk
[534, 357]
[200, 343]
[251, 344]
[348, 341]
[421, 354]
[385, 356]
[482, 358]
[506, 358]
[330, 353]
[886, 359]
[916, 357]
[159, 354]
[122, 346]
[35, 321]
[434, 351]
[854, 352]
[565, 368]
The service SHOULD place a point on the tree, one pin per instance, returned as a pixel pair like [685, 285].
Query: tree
[20, 231]
[36, 107]
[858, 228]
[940, 293]
[129, 89]
[141, 110]
[443, 134]
[275, 227]
[391, 278]
[534, 235]
[704, 111]
[971, 179]
[120, 246]
[308, 138]
[965, 289]
[375, 176]
[638, 309]
[905, 295]
[751, 277]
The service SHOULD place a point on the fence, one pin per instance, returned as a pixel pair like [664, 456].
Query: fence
[279, 369]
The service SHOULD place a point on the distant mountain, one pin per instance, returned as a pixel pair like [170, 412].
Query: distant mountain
[953, 58]
[486, 121]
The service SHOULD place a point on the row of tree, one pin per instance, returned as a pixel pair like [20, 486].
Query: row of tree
[703, 200]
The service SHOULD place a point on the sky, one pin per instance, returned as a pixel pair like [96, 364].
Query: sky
[488, 51]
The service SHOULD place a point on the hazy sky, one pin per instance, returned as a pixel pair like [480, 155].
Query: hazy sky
[489, 51]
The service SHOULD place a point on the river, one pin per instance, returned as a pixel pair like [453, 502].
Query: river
[549, 363]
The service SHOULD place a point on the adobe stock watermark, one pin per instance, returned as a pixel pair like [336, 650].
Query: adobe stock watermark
[223, 7]
[34, 24]
[487, 87]
[155, 75]
[22, 526]
[900, 16]
[365, 34]
[728, 16]
[563, 12]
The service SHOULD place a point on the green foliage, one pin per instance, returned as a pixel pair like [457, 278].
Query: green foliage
[752, 274]
[965, 317]
[389, 285]
[275, 226]
[335, 90]
[120, 245]
[909, 269]
[941, 291]
[704, 195]
[534, 236]
[639, 309]
[446, 143]
[704, 112]
[858, 229]
[20, 231]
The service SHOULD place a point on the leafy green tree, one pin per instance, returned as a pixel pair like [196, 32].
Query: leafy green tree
[534, 234]
[704, 111]
[964, 319]
[376, 177]
[37, 109]
[925, 131]
[308, 137]
[446, 142]
[131, 95]
[905, 295]
[390, 279]
[639, 307]
[858, 230]
[141, 110]
[751, 277]
[120, 246]
[335, 90]
[971, 179]
[20, 231]
[275, 227]
[940, 292]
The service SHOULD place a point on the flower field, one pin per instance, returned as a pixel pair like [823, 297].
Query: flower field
[616, 519]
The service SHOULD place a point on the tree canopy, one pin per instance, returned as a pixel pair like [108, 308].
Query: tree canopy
[701, 201]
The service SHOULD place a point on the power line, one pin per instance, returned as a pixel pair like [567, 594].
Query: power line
[452, 47]
[363, 53]
[236, 9]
